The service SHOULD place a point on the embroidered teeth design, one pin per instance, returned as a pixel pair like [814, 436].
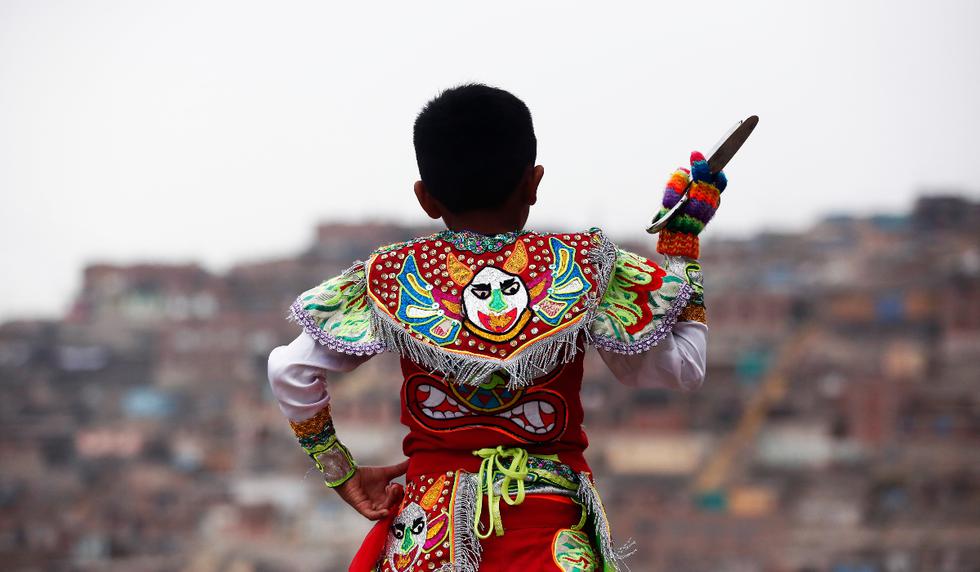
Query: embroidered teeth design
[533, 416]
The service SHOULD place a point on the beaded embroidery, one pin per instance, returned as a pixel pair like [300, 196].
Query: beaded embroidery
[518, 307]
[468, 305]
[314, 431]
[640, 307]
[313, 425]
[420, 537]
[479, 243]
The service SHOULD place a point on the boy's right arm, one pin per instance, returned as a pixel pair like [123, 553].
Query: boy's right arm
[297, 375]
[678, 360]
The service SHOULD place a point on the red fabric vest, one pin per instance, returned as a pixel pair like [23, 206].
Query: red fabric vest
[447, 422]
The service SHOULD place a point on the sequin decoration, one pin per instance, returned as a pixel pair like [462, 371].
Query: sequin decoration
[479, 243]
[420, 536]
[485, 301]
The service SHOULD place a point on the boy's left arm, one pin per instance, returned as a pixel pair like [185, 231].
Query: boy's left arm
[297, 376]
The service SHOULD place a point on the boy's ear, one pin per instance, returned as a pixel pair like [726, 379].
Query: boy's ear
[532, 189]
[428, 203]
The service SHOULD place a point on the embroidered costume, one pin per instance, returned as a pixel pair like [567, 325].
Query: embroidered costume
[491, 331]
[515, 303]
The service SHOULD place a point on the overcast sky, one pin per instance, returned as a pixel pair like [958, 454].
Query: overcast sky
[223, 131]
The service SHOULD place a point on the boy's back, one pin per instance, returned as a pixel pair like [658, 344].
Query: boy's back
[491, 322]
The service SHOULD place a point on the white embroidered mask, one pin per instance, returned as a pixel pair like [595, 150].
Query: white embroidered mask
[494, 300]
[408, 532]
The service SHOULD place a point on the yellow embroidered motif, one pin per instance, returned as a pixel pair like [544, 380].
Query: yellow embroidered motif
[458, 271]
[517, 261]
[313, 425]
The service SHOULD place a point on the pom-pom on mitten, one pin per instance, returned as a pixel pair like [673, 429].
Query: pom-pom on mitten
[680, 237]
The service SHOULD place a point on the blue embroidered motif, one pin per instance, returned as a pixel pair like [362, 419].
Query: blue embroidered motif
[418, 309]
[568, 285]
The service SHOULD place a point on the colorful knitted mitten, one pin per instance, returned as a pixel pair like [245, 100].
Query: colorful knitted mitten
[680, 237]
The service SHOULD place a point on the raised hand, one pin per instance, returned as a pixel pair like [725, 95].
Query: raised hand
[371, 492]
[680, 237]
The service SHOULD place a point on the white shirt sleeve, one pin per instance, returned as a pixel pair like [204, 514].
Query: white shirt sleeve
[297, 373]
[678, 362]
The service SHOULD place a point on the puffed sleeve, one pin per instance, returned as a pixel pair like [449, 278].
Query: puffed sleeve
[337, 314]
[640, 306]
[679, 361]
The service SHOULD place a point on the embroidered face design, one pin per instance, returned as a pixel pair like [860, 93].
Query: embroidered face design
[408, 532]
[495, 301]
[421, 526]
[530, 415]
[510, 297]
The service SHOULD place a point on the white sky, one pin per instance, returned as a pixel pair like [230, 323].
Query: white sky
[223, 131]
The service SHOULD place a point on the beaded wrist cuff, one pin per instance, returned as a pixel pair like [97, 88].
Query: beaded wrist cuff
[334, 460]
[314, 431]
[319, 439]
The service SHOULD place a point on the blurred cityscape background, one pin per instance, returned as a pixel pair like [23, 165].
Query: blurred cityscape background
[838, 430]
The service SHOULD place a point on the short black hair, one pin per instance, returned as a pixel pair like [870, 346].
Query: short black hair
[474, 143]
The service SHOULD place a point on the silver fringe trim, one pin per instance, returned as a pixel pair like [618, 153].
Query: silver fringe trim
[533, 362]
[611, 556]
[651, 339]
[603, 260]
[523, 369]
[466, 546]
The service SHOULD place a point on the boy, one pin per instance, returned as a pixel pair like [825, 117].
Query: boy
[491, 322]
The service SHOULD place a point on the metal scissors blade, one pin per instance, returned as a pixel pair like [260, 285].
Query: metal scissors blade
[720, 155]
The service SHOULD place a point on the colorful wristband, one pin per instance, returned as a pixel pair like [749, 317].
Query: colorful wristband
[680, 237]
[318, 438]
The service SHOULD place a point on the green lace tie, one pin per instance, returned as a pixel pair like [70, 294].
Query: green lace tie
[516, 472]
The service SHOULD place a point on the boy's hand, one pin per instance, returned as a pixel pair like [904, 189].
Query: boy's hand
[371, 492]
[680, 237]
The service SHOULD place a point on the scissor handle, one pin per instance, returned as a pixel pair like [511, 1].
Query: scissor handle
[658, 224]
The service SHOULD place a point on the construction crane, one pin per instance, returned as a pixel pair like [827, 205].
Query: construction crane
[711, 479]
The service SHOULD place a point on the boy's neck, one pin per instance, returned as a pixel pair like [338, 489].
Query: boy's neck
[486, 222]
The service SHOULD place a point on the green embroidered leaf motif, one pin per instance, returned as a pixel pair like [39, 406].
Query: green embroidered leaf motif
[639, 295]
[621, 305]
[339, 307]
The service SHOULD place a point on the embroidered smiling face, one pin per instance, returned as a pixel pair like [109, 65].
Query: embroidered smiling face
[495, 301]
[408, 532]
